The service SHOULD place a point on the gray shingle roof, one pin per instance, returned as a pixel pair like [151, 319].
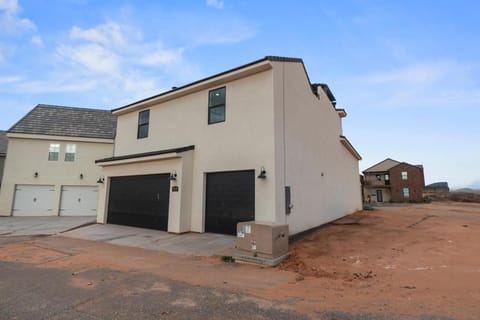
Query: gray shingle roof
[67, 121]
[3, 142]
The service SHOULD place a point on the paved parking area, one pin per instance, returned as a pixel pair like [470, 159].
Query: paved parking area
[194, 244]
[21, 226]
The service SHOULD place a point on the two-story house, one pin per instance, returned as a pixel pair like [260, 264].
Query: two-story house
[258, 142]
[393, 181]
[50, 165]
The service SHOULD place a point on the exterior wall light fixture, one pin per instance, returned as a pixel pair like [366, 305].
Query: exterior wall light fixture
[35, 174]
[173, 175]
[101, 180]
[81, 175]
[263, 173]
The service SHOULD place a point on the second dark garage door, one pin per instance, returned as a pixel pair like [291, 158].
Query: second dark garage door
[230, 198]
[139, 201]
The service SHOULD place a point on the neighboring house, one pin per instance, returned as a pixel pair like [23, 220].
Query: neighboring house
[50, 166]
[3, 152]
[258, 142]
[393, 181]
[437, 187]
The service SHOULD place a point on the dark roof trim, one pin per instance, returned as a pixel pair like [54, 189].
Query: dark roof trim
[267, 58]
[327, 91]
[146, 154]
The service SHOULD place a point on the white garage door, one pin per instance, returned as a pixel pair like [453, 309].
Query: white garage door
[33, 200]
[78, 201]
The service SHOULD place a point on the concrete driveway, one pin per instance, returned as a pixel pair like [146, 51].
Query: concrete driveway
[193, 244]
[20, 226]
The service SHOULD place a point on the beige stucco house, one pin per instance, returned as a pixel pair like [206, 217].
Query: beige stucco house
[50, 165]
[258, 142]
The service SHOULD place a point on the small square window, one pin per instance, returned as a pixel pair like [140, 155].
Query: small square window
[406, 193]
[53, 152]
[70, 151]
[216, 105]
[378, 177]
[404, 175]
[143, 124]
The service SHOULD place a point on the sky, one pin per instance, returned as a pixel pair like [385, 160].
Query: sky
[407, 72]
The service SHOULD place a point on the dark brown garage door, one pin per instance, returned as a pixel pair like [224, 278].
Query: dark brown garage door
[230, 199]
[139, 201]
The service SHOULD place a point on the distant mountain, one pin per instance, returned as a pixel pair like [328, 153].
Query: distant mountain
[467, 190]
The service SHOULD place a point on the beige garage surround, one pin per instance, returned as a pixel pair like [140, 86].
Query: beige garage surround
[180, 162]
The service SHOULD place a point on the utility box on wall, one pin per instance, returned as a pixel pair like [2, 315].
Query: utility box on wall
[264, 240]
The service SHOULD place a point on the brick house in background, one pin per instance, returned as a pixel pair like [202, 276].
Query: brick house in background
[393, 181]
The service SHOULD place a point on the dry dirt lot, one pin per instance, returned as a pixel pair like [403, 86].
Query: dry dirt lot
[421, 259]
[407, 262]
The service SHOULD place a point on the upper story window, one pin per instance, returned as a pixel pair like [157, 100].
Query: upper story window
[404, 175]
[387, 179]
[53, 152]
[406, 192]
[70, 151]
[216, 105]
[143, 123]
[378, 177]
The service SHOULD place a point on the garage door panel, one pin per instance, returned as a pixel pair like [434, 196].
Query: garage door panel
[33, 200]
[230, 198]
[140, 201]
[79, 201]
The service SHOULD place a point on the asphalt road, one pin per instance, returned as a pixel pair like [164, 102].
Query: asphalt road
[40, 293]
[29, 292]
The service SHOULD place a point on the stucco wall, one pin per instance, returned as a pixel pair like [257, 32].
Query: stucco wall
[244, 141]
[29, 155]
[323, 175]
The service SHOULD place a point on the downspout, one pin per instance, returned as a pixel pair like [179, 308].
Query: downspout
[284, 137]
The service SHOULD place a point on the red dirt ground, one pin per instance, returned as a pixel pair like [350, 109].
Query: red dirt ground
[411, 260]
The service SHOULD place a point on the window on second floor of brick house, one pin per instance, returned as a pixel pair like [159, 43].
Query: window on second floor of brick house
[53, 151]
[70, 151]
[404, 175]
[143, 124]
[216, 105]
[378, 177]
[387, 179]
[406, 193]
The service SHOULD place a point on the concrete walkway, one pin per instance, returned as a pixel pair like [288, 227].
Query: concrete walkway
[194, 244]
[21, 226]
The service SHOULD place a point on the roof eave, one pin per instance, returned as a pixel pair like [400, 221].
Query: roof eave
[350, 148]
[218, 79]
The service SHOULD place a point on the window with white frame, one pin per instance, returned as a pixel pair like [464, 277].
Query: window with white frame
[406, 193]
[70, 151]
[53, 151]
[404, 175]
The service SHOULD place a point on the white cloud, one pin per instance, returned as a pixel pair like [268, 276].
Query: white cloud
[217, 4]
[38, 41]
[427, 84]
[106, 34]
[417, 74]
[9, 5]
[162, 57]
[94, 57]
[10, 21]
[9, 79]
